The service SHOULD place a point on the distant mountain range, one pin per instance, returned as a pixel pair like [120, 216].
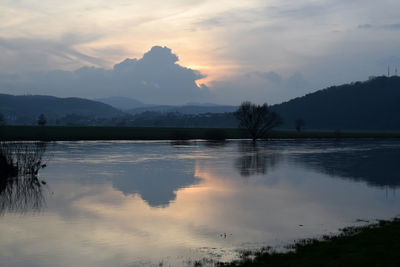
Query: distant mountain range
[26, 108]
[133, 106]
[369, 105]
[120, 102]
[186, 109]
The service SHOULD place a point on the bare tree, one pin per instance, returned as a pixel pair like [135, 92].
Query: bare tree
[257, 119]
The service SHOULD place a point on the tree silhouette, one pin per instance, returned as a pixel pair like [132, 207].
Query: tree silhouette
[42, 120]
[258, 120]
[299, 124]
[2, 119]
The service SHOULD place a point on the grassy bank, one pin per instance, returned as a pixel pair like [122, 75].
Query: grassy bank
[114, 133]
[160, 133]
[372, 245]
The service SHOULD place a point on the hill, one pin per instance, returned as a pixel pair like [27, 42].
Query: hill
[369, 105]
[185, 109]
[133, 106]
[26, 108]
[120, 102]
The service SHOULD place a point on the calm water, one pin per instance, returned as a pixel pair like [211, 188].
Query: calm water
[142, 203]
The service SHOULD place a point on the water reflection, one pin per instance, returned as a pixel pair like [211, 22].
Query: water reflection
[377, 165]
[215, 143]
[156, 183]
[154, 171]
[21, 190]
[256, 159]
[103, 222]
[178, 143]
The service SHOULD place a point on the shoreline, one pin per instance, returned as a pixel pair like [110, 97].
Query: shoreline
[95, 133]
[375, 244]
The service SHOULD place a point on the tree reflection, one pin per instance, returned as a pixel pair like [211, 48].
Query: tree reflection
[256, 159]
[215, 143]
[21, 190]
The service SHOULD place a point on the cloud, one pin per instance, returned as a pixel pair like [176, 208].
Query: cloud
[230, 18]
[395, 27]
[319, 39]
[301, 10]
[270, 76]
[391, 27]
[391, 61]
[259, 87]
[365, 26]
[154, 78]
[27, 54]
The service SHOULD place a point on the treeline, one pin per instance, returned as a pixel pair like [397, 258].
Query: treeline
[145, 119]
[174, 119]
[371, 105]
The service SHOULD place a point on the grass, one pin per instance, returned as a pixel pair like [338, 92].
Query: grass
[112, 133]
[17, 133]
[372, 245]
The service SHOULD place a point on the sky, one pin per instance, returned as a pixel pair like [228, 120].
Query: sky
[180, 51]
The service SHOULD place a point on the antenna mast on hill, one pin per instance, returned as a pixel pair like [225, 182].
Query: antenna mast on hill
[395, 71]
[388, 71]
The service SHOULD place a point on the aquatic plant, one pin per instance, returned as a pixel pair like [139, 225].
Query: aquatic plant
[20, 187]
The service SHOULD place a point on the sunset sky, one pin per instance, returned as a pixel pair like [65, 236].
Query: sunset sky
[263, 51]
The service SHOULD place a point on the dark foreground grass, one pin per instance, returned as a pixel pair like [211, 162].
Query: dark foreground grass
[372, 245]
[16, 133]
[55, 133]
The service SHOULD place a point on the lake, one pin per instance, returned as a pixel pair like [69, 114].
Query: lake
[140, 203]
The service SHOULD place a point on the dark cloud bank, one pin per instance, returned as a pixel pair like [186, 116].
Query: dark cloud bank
[154, 78]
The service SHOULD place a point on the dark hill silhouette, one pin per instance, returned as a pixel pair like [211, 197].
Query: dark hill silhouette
[185, 109]
[369, 105]
[119, 102]
[53, 107]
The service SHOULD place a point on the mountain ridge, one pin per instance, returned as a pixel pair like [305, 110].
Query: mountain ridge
[370, 105]
[29, 107]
